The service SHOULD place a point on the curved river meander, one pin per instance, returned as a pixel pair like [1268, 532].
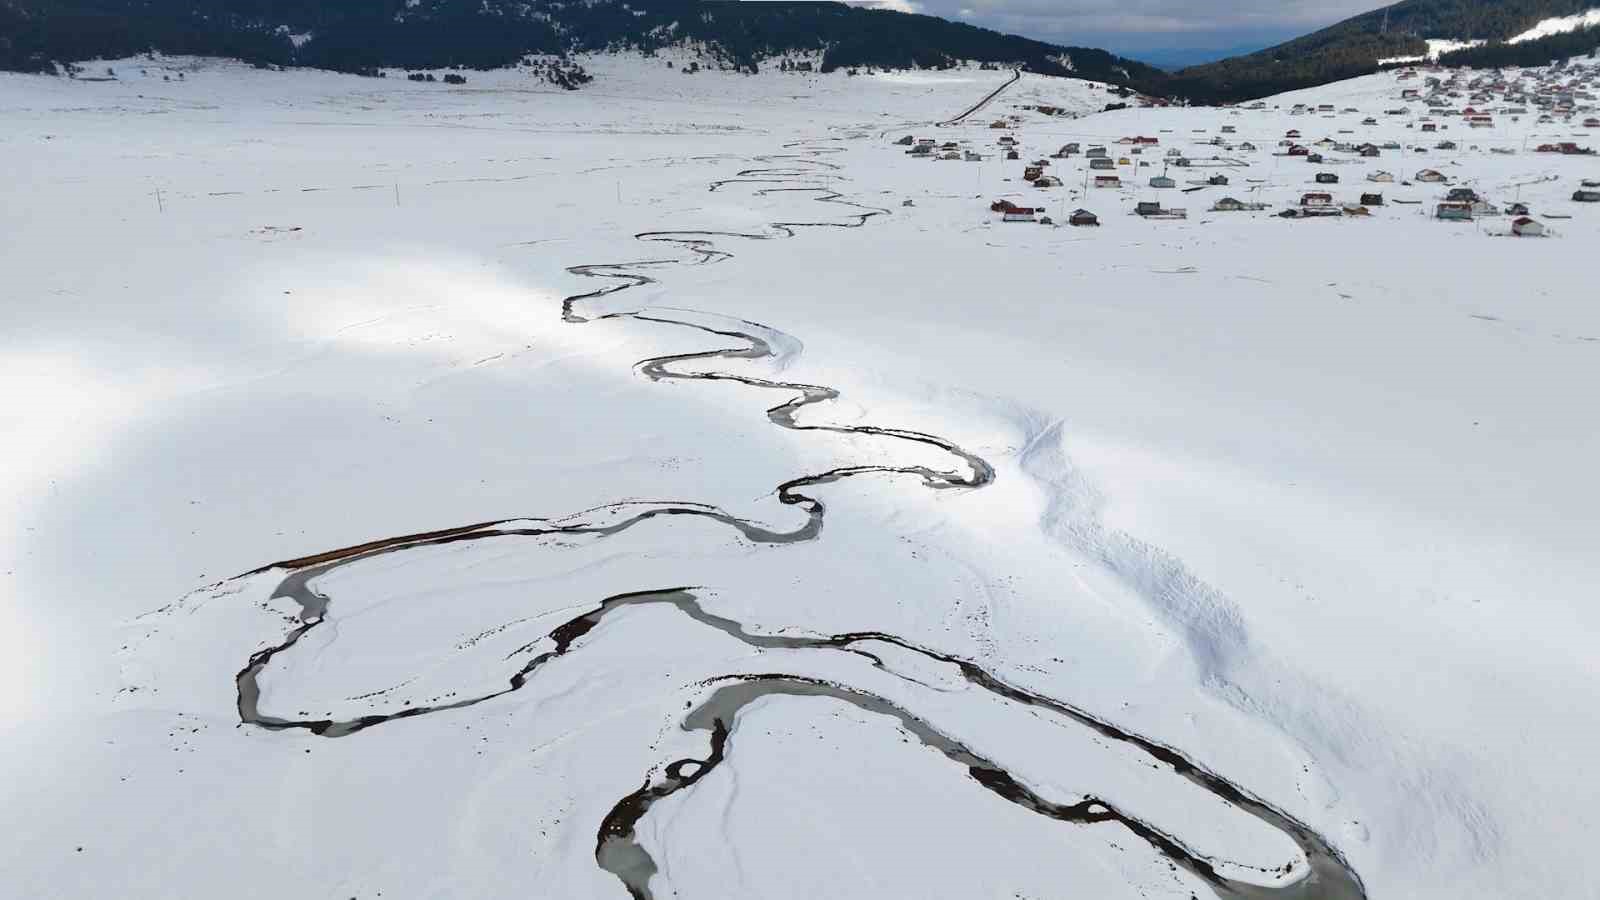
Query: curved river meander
[1327, 877]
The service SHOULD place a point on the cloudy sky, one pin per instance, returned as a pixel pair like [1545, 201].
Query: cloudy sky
[1136, 26]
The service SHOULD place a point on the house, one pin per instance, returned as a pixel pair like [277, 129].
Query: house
[1229, 129]
[1019, 214]
[1517, 209]
[1227, 204]
[1181, 162]
[1292, 134]
[1369, 121]
[1032, 173]
[921, 150]
[1429, 176]
[1462, 195]
[1102, 162]
[1368, 150]
[1047, 181]
[1298, 150]
[1008, 141]
[1450, 211]
[1001, 206]
[1430, 126]
[1247, 147]
[1066, 151]
[1371, 199]
[1327, 178]
[1147, 208]
[1357, 211]
[1082, 217]
[1162, 181]
[1586, 196]
[906, 141]
[1107, 181]
[999, 123]
[1313, 157]
[1124, 161]
[1095, 152]
[1012, 154]
[1526, 227]
[1217, 180]
[969, 156]
[1445, 145]
[1316, 199]
[1591, 122]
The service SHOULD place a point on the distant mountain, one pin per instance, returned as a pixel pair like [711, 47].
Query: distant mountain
[1354, 47]
[362, 35]
[1173, 59]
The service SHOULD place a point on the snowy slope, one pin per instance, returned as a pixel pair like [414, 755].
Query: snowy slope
[1263, 538]
[1558, 25]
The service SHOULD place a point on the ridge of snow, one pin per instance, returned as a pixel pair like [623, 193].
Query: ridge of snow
[1436, 47]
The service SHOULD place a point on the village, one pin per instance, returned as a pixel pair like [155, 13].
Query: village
[1420, 142]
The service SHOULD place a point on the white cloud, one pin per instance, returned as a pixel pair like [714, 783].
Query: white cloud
[1059, 20]
[904, 6]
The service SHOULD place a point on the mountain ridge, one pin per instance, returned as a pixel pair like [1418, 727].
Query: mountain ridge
[366, 35]
[1356, 45]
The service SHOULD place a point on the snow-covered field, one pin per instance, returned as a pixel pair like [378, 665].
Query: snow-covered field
[926, 556]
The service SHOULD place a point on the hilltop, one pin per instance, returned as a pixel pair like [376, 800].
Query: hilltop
[1453, 32]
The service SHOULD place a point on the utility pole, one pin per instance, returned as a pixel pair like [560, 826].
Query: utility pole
[160, 207]
[397, 195]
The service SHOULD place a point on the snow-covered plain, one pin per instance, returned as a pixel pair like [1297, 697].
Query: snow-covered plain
[1311, 503]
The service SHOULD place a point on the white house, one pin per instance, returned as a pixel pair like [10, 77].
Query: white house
[1526, 227]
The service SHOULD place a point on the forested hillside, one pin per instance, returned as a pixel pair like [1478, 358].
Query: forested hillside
[1581, 42]
[360, 35]
[1354, 46]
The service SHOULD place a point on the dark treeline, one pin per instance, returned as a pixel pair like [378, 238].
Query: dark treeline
[361, 35]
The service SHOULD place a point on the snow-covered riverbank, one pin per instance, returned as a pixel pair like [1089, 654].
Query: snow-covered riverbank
[1307, 501]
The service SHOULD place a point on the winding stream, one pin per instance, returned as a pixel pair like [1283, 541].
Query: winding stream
[1328, 876]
